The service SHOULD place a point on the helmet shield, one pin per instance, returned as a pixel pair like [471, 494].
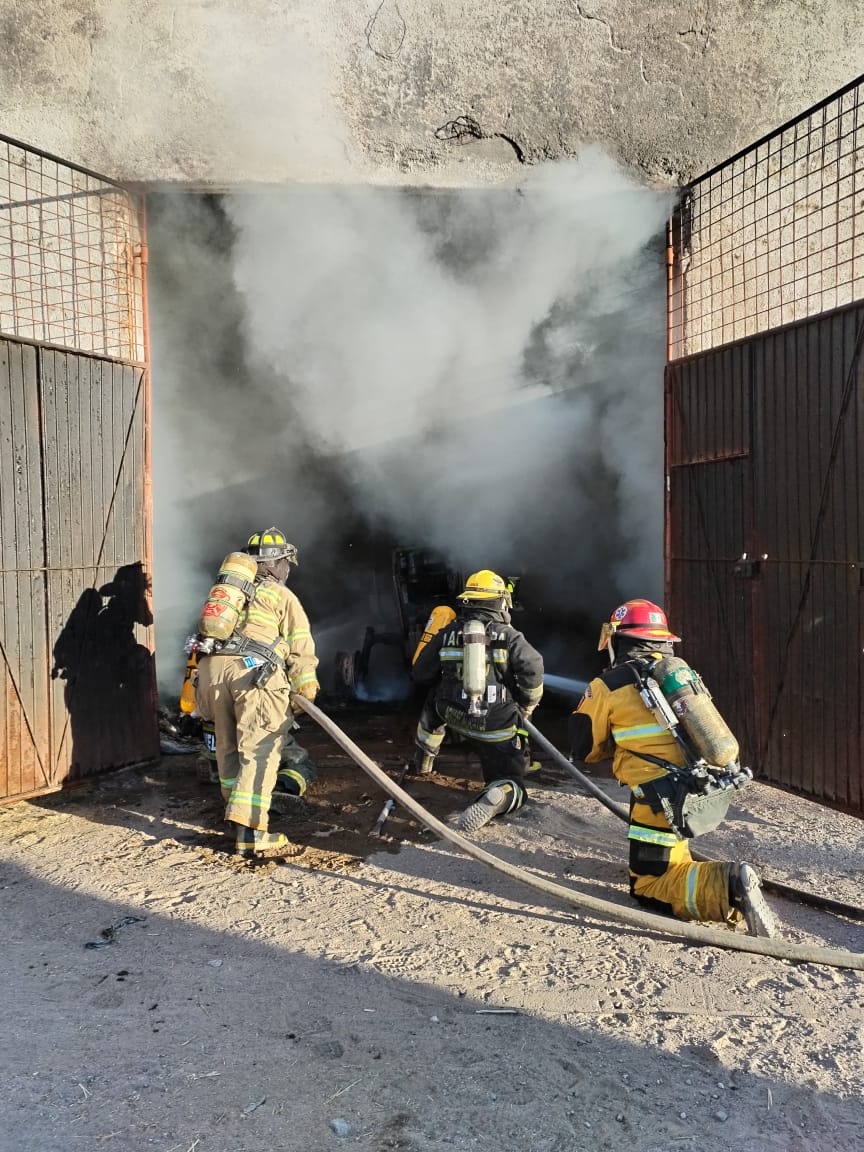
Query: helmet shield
[607, 631]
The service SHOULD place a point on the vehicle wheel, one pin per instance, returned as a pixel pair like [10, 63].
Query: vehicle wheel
[346, 674]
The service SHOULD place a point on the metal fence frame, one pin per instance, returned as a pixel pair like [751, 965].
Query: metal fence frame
[764, 456]
[75, 489]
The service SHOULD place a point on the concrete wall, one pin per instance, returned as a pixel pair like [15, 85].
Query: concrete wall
[414, 91]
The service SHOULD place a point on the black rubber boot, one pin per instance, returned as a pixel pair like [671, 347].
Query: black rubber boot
[288, 792]
[206, 771]
[745, 893]
[496, 799]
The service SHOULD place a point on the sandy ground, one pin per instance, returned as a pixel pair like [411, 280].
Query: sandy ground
[410, 994]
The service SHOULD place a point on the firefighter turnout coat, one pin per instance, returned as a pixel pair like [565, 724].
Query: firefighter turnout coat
[612, 720]
[514, 685]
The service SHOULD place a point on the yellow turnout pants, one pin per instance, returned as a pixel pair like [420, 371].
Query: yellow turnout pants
[251, 728]
[665, 877]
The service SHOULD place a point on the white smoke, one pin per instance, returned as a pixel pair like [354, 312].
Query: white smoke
[351, 299]
[478, 371]
[469, 361]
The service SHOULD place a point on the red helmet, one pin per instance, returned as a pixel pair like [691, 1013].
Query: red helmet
[638, 618]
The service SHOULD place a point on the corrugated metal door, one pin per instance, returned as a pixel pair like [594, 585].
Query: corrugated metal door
[78, 684]
[710, 525]
[811, 530]
[765, 545]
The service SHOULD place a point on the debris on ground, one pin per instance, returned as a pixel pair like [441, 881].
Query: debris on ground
[109, 935]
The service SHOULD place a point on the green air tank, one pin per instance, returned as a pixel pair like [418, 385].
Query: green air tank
[697, 714]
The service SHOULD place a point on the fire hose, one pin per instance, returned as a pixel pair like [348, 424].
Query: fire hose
[783, 950]
[798, 894]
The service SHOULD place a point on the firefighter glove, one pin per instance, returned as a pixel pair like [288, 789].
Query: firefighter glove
[308, 691]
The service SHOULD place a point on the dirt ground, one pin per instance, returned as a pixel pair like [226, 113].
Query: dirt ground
[395, 995]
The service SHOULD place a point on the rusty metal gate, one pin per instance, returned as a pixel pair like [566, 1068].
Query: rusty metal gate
[77, 681]
[764, 417]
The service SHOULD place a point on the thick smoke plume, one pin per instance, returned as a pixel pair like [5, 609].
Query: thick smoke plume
[475, 371]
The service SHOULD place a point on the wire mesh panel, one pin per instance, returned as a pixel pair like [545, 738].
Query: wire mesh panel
[774, 235]
[70, 246]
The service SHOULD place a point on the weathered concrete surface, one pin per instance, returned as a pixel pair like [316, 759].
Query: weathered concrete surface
[419, 91]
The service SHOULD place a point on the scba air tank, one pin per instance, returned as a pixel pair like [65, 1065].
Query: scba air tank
[475, 668]
[227, 598]
[691, 702]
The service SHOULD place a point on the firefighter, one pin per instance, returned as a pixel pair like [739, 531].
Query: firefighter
[245, 688]
[485, 679]
[612, 720]
[440, 616]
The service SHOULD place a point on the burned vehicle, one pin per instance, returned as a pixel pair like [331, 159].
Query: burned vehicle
[421, 581]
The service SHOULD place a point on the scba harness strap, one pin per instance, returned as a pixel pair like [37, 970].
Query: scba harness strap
[451, 657]
[694, 797]
[247, 587]
[693, 803]
[243, 646]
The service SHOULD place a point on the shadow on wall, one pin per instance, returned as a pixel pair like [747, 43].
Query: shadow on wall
[108, 675]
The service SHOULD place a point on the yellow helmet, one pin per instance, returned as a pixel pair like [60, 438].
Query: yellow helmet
[271, 545]
[484, 585]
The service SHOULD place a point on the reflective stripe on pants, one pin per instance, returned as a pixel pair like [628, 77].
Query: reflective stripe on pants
[665, 877]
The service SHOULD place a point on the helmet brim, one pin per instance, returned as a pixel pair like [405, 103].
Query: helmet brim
[269, 557]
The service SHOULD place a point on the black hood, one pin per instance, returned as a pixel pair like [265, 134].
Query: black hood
[275, 569]
[499, 614]
[631, 648]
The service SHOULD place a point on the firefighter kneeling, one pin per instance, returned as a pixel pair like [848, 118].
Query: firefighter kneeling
[671, 747]
[489, 679]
